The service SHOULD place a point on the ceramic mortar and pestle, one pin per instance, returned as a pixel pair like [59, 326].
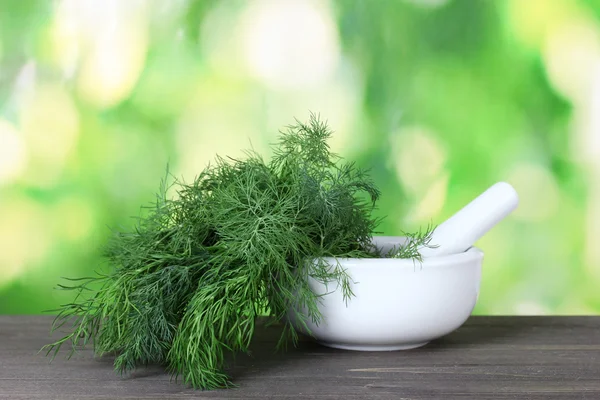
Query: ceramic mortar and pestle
[402, 303]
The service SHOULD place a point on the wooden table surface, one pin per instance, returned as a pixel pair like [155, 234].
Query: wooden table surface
[487, 358]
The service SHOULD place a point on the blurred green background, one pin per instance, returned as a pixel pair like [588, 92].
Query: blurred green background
[440, 98]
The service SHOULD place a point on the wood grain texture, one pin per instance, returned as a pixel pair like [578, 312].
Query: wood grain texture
[487, 358]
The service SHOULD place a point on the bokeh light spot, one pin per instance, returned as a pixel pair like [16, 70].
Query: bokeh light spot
[13, 153]
[23, 87]
[336, 101]
[419, 158]
[531, 20]
[24, 235]
[66, 36]
[290, 44]
[114, 52]
[530, 308]
[539, 195]
[432, 202]
[50, 123]
[571, 55]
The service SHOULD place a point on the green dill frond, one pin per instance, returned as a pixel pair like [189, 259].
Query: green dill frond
[414, 242]
[188, 281]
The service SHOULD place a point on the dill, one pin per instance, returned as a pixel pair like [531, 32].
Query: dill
[414, 242]
[188, 281]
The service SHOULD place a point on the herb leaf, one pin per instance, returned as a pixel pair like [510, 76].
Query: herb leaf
[187, 283]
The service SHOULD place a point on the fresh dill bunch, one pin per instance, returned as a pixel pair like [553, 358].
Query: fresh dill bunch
[273, 218]
[188, 282]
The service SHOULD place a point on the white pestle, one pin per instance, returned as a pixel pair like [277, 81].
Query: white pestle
[460, 232]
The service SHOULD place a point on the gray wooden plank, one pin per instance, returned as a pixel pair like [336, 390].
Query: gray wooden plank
[487, 358]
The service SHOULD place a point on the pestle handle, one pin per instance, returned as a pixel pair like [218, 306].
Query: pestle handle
[458, 233]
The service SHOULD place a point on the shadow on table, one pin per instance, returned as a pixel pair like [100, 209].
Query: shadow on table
[140, 372]
[262, 360]
[265, 359]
